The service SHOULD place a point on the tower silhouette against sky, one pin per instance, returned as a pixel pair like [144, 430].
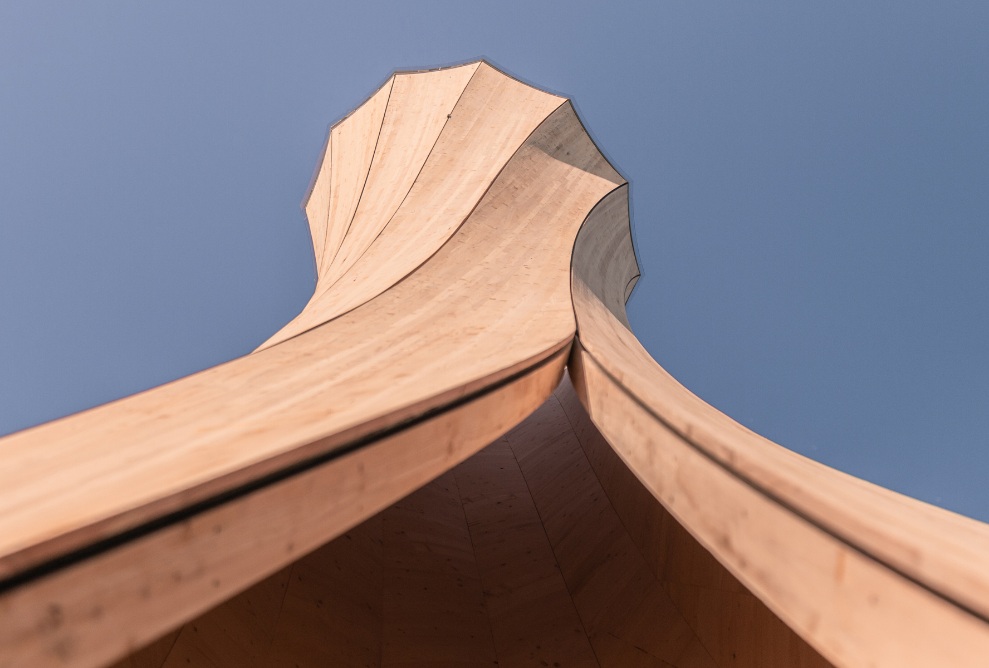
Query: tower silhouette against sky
[459, 454]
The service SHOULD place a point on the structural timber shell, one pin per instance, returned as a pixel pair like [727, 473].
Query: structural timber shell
[458, 453]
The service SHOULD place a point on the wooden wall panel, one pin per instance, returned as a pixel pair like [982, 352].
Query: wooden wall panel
[420, 106]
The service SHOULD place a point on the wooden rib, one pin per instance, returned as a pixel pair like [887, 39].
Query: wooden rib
[418, 108]
[847, 564]
[352, 144]
[335, 193]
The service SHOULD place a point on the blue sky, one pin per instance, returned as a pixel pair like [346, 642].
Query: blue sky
[810, 193]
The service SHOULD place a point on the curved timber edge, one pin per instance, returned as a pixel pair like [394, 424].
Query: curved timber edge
[84, 614]
[865, 575]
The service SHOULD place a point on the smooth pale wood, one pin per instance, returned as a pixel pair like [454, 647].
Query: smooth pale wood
[317, 203]
[795, 532]
[420, 105]
[488, 128]
[102, 608]
[734, 626]
[352, 143]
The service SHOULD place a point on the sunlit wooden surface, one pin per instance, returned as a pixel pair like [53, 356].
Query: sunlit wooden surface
[390, 479]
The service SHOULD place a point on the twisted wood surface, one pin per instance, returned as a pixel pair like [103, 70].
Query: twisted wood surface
[469, 239]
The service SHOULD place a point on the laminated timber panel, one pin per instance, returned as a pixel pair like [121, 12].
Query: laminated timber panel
[352, 143]
[239, 633]
[433, 610]
[865, 575]
[421, 104]
[384, 148]
[340, 629]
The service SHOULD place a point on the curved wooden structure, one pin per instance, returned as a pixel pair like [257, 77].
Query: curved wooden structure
[329, 499]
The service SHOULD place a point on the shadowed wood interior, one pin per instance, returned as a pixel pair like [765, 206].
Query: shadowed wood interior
[539, 550]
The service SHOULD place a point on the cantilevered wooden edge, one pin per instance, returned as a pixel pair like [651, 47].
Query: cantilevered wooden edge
[445, 216]
[866, 575]
[98, 605]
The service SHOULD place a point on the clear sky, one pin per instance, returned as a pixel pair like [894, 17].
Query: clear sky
[810, 187]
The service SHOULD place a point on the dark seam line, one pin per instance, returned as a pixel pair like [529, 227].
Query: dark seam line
[329, 202]
[576, 240]
[627, 292]
[171, 646]
[542, 525]
[441, 246]
[367, 175]
[402, 203]
[106, 544]
[833, 533]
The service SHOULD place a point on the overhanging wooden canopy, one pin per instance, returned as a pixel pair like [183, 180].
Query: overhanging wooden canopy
[471, 243]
